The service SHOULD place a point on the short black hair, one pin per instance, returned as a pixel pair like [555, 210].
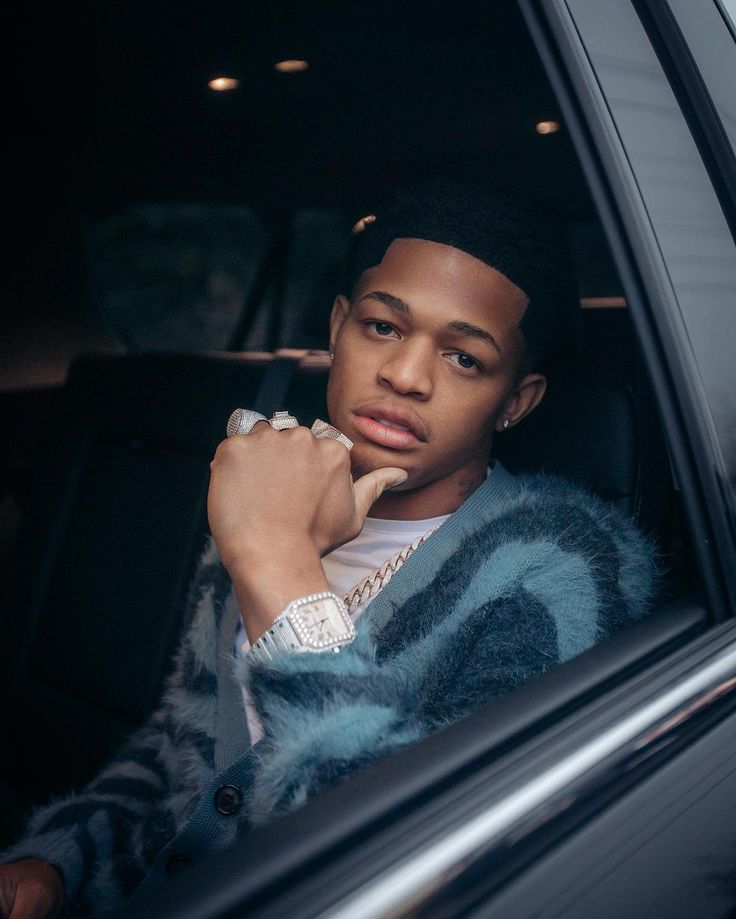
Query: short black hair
[499, 226]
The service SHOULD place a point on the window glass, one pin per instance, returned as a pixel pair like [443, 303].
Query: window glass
[728, 7]
[714, 51]
[683, 208]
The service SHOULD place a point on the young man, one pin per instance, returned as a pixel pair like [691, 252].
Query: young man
[457, 296]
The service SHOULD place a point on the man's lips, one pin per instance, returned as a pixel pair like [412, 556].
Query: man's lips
[389, 427]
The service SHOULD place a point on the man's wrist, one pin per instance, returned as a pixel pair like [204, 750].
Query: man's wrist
[265, 583]
[243, 555]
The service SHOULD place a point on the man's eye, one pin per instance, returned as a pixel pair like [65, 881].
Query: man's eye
[465, 361]
[381, 328]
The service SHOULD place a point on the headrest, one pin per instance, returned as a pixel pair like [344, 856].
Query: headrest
[594, 428]
[586, 428]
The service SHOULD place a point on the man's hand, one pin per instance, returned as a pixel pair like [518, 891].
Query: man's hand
[278, 502]
[30, 889]
[286, 489]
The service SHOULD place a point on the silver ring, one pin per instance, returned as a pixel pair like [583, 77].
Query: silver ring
[322, 429]
[280, 421]
[242, 420]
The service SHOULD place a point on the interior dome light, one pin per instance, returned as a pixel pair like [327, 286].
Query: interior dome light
[291, 66]
[223, 84]
[548, 127]
[361, 224]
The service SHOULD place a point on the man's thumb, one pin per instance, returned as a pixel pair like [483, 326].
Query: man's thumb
[370, 487]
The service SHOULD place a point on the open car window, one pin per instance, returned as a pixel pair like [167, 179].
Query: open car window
[581, 100]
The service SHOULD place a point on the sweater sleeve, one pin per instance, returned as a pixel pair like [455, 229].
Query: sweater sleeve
[104, 838]
[324, 716]
[96, 837]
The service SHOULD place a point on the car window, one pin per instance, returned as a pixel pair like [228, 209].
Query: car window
[713, 48]
[176, 255]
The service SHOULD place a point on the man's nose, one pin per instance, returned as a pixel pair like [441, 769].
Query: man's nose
[409, 369]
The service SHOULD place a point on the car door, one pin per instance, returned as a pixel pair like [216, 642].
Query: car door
[608, 786]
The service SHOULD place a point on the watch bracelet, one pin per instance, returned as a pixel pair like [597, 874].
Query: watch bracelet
[273, 642]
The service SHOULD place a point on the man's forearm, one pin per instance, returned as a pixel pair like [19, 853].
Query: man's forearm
[266, 582]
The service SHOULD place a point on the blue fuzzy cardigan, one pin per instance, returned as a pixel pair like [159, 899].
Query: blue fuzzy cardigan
[528, 573]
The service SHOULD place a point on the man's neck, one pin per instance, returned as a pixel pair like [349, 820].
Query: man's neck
[432, 500]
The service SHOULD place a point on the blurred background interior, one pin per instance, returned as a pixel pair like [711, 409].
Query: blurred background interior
[186, 177]
[160, 208]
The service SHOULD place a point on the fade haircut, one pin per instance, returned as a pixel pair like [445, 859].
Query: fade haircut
[502, 229]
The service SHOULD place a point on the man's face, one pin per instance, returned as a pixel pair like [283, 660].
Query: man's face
[426, 366]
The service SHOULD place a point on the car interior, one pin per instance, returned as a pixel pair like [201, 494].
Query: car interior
[210, 277]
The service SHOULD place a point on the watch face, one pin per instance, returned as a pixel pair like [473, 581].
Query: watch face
[321, 624]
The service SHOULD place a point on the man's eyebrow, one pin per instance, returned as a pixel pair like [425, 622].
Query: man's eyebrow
[395, 303]
[474, 331]
[464, 328]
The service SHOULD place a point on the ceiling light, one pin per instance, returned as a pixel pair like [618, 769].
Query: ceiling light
[548, 127]
[361, 224]
[291, 66]
[223, 84]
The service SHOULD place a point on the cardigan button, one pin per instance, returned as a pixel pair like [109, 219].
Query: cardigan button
[228, 800]
[175, 863]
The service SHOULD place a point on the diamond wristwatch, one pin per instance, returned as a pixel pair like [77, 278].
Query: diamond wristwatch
[318, 622]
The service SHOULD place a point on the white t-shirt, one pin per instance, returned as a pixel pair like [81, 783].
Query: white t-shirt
[345, 568]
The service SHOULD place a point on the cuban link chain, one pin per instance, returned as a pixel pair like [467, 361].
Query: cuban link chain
[373, 583]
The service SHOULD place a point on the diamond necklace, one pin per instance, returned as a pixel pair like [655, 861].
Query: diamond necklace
[373, 583]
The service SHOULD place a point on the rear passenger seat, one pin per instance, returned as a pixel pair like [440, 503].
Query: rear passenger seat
[96, 585]
[93, 607]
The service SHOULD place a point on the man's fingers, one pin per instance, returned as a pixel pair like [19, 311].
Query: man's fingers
[32, 903]
[370, 487]
[25, 906]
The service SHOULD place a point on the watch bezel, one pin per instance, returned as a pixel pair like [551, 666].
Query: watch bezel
[298, 623]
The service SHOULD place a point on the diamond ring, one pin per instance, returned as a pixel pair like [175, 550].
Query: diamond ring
[242, 420]
[323, 429]
[280, 421]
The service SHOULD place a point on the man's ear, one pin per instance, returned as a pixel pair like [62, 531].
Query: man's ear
[340, 309]
[527, 395]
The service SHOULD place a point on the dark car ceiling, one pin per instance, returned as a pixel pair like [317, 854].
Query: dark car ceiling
[115, 109]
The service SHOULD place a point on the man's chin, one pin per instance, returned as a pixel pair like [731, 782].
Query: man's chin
[365, 461]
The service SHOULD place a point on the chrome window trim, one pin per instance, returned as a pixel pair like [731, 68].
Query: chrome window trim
[600, 759]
